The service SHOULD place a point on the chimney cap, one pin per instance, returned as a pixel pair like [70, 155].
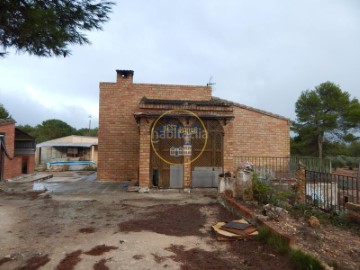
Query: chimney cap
[125, 73]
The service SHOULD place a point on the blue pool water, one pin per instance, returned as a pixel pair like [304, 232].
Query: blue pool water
[73, 165]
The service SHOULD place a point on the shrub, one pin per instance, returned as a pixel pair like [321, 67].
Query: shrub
[265, 192]
[261, 190]
[344, 161]
[278, 243]
[304, 261]
[90, 168]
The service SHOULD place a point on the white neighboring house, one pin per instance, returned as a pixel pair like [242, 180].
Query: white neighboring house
[67, 149]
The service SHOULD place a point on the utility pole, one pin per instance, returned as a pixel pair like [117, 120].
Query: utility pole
[90, 116]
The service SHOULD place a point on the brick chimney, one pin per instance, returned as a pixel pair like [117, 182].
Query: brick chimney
[124, 77]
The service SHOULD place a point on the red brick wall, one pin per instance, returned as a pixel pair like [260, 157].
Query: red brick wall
[31, 164]
[13, 168]
[259, 134]
[9, 130]
[118, 131]
[254, 133]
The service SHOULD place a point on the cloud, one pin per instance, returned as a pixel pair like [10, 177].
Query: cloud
[30, 105]
[260, 53]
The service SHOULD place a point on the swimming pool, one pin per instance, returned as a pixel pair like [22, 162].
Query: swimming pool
[70, 165]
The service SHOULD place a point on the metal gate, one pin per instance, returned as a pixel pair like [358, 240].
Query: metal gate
[209, 165]
[165, 175]
[205, 169]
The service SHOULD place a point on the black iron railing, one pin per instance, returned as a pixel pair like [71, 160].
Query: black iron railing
[282, 167]
[331, 191]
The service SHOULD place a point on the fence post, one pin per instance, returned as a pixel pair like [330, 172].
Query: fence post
[301, 182]
[357, 186]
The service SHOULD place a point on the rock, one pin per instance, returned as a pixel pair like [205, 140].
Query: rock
[262, 217]
[133, 189]
[144, 190]
[314, 222]
[275, 213]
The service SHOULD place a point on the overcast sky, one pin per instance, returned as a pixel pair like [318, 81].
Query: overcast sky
[259, 53]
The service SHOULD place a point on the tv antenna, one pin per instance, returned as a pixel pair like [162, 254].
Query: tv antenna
[210, 83]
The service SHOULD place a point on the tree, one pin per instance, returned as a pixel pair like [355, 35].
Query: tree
[354, 149]
[4, 114]
[28, 129]
[86, 132]
[326, 114]
[52, 129]
[48, 27]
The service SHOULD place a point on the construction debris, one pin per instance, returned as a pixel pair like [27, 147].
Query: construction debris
[275, 213]
[236, 229]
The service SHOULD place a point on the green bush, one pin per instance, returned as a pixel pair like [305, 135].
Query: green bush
[264, 192]
[301, 260]
[342, 161]
[90, 168]
[304, 261]
[261, 190]
[268, 237]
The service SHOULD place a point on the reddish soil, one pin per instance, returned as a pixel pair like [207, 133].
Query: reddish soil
[186, 220]
[157, 258]
[47, 197]
[33, 195]
[70, 261]
[35, 263]
[99, 250]
[138, 257]
[87, 230]
[100, 265]
[223, 214]
[248, 254]
[4, 260]
[169, 220]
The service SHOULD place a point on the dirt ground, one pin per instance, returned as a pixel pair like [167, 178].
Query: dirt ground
[122, 230]
[337, 246]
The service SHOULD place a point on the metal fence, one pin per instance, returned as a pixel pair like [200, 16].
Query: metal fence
[282, 167]
[330, 191]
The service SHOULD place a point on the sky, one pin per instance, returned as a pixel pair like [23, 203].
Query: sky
[260, 53]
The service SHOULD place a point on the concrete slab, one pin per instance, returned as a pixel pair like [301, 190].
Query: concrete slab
[28, 178]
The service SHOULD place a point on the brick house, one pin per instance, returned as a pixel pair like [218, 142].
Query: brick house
[131, 113]
[17, 151]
